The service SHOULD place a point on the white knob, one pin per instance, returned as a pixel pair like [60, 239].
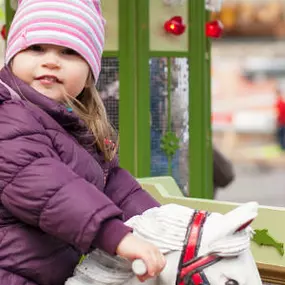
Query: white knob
[139, 267]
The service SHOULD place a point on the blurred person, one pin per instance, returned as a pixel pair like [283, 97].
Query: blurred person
[223, 171]
[280, 118]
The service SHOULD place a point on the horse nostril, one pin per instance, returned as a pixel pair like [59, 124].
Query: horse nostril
[231, 282]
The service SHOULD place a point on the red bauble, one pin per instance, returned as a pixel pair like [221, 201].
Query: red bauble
[4, 32]
[214, 29]
[175, 26]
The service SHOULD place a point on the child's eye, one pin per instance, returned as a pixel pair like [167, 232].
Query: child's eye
[69, 51]
[36, 48]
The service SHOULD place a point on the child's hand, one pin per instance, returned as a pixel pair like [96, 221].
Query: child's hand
[133, 248]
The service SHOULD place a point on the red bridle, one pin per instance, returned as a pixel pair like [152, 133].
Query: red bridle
[190, 267]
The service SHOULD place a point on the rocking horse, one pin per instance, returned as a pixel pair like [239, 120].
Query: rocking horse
[200, 248]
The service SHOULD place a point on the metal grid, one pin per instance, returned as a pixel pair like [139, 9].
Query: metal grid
[180, 117]
[169, 88]
[108, 88]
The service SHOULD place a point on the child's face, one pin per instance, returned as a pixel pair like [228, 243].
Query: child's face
[52, 70]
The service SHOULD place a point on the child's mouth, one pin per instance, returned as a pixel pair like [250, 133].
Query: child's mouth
[48, 79]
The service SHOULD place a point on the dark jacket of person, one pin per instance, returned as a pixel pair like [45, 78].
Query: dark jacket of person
[222, 170]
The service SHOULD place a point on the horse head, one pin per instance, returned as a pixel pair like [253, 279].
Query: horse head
[201, 248]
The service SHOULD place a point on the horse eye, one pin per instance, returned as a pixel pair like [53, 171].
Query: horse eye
[231, 282]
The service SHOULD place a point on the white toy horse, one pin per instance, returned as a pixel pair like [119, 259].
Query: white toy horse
[200, 248]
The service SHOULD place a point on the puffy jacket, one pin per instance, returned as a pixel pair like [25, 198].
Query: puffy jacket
[59, 198]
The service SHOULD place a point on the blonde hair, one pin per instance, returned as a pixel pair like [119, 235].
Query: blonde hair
[89, 107]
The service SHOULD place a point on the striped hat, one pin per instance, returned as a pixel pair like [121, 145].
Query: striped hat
[75, 24]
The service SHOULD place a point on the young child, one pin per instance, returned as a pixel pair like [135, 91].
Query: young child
[62, 191]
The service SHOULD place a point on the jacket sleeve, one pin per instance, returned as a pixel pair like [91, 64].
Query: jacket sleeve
[40, 190]
[127, 193]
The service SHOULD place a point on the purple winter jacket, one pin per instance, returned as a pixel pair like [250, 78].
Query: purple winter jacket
[55, 203]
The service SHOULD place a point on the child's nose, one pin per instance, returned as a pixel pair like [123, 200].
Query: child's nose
[51, 60]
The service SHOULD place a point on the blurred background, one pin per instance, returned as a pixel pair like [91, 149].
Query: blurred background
[248, 86]
[247, 93]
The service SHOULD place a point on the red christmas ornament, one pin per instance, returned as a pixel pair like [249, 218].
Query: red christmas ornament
[175, 26]
[4, 32]
[214, 29]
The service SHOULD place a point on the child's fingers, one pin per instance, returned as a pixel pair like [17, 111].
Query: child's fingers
[162, 261]
[155, 263]
[143, 278]
[158, 261]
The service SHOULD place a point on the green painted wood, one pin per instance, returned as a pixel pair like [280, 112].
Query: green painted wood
[127, 77]
[143, 90]
[110, 10]
[108, 53]
[9, 14]
[158, 14]
[168, 54]
[199, 172]
[170, 186]
[209, 190]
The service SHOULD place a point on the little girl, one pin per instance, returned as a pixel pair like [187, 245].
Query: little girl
[62, 191]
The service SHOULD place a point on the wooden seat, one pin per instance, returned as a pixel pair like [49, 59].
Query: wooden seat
[169, 185]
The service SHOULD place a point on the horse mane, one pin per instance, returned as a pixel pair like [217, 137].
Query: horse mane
[166, 227]
[163, 226]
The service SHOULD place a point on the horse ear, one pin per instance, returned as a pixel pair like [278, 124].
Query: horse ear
[244, 226]
[241, 217]
[228, 237]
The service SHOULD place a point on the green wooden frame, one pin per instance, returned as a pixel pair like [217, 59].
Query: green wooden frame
[200, 148]
[134, 110]
[127, 112]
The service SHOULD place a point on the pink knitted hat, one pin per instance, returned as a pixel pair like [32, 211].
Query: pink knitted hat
[75, 24]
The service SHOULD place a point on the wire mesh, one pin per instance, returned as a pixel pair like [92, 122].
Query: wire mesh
[168, 85]
[108, 88]
[161, 86]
